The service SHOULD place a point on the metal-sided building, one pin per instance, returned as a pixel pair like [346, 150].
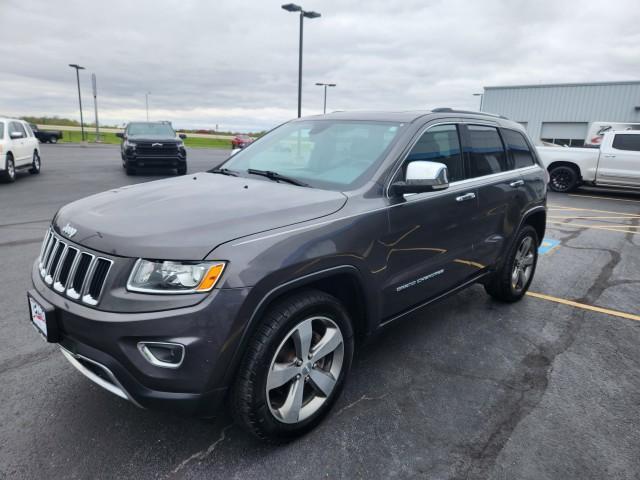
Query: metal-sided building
[564, 111]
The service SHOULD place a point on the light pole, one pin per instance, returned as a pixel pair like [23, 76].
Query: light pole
[146, 102]
[78, 68]
[481, 95]
[325, 85]
[292, 7]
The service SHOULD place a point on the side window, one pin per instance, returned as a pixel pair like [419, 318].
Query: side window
[486, 153]
[17, 127]
[520, 155]
[440, 144]
[27, 129]
[627, 142]
[1, 130]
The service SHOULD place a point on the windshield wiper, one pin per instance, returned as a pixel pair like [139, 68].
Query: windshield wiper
[224, 171]
[277, 177]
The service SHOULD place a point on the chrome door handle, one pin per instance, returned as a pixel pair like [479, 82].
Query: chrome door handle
[517, 183]
[609, 156]
[466, 196]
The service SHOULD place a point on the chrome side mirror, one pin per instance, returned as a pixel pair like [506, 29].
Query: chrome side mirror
[422, 176]
[16, 135]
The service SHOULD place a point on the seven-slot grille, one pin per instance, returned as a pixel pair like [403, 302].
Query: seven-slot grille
[72, 272]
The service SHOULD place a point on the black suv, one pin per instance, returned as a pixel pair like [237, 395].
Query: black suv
[256, 280]
[154, 145]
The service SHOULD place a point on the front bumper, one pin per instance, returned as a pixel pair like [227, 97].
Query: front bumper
[103, 346]
[135, 159]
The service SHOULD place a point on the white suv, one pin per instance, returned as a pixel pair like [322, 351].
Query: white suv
[19, 149]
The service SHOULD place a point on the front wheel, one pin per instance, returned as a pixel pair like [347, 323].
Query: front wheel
[511, 281]
[294, 367]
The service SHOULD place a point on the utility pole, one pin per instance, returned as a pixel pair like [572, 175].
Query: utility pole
[95, 104]
[146, 101]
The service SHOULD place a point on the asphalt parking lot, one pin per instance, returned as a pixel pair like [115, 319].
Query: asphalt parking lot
[548, 388]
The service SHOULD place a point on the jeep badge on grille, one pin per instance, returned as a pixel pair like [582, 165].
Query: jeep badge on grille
[69, 231]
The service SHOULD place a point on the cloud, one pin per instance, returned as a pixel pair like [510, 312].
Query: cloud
[234, 63]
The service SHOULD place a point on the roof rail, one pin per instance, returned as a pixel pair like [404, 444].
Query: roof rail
[452, 110]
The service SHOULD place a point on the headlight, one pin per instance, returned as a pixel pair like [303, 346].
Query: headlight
[128, 144]
[156, 276]
[180, 144]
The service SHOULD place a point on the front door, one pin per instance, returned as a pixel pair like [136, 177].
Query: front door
[430, 236]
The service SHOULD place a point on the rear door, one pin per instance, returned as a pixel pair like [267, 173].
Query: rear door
[31, 142]
[619, 162]
[18, 145]
[500, 191]
[430, 236]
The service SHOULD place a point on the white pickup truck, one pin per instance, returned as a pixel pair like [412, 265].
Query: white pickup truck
[615, 164]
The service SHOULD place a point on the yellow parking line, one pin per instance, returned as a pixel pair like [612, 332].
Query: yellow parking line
[613, 228]
[605, 198]
[563, 208]
[597, 217]
[584, 306]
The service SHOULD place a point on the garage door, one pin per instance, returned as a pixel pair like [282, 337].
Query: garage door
[564, 133]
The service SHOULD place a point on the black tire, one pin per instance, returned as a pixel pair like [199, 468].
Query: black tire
[130, 170]
[182, 170]
[563, 178]
[53, 139]
[500, 286]
[9, 174]
[35, 164]
[250, 404]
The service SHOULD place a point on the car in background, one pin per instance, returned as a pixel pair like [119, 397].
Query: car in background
[46, 136]
[19, 149]
[152, 145]
[241, 141]
[615, 165]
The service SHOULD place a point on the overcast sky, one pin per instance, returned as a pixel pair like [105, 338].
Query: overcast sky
[234, 63]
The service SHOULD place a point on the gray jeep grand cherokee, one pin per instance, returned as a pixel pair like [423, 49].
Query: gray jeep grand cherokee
[254, 281]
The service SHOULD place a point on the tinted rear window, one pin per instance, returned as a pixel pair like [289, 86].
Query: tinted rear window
[626, 142]
[1, 130]
[486, 153]
[520, 154]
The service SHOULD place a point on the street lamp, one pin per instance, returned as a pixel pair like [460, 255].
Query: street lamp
[146, 102]
[325, 85]
[78, 68]
[481, 95]
[292, 7]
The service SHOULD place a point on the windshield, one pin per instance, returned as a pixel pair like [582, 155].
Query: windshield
[163, 130]
[331, 154]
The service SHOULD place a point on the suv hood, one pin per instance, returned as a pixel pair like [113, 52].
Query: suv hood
[185, 218]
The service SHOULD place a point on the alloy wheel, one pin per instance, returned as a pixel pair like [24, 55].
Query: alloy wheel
[305, 369]
[523, 265]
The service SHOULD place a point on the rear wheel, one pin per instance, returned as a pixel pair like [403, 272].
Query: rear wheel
[563, 178]
[9, 174]
[512, 280]
[35, 164]
[53, 139]
[294, 367]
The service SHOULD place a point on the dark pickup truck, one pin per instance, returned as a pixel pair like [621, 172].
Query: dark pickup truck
[46, 136]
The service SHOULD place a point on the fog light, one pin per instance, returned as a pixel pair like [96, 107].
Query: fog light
[162, 354]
